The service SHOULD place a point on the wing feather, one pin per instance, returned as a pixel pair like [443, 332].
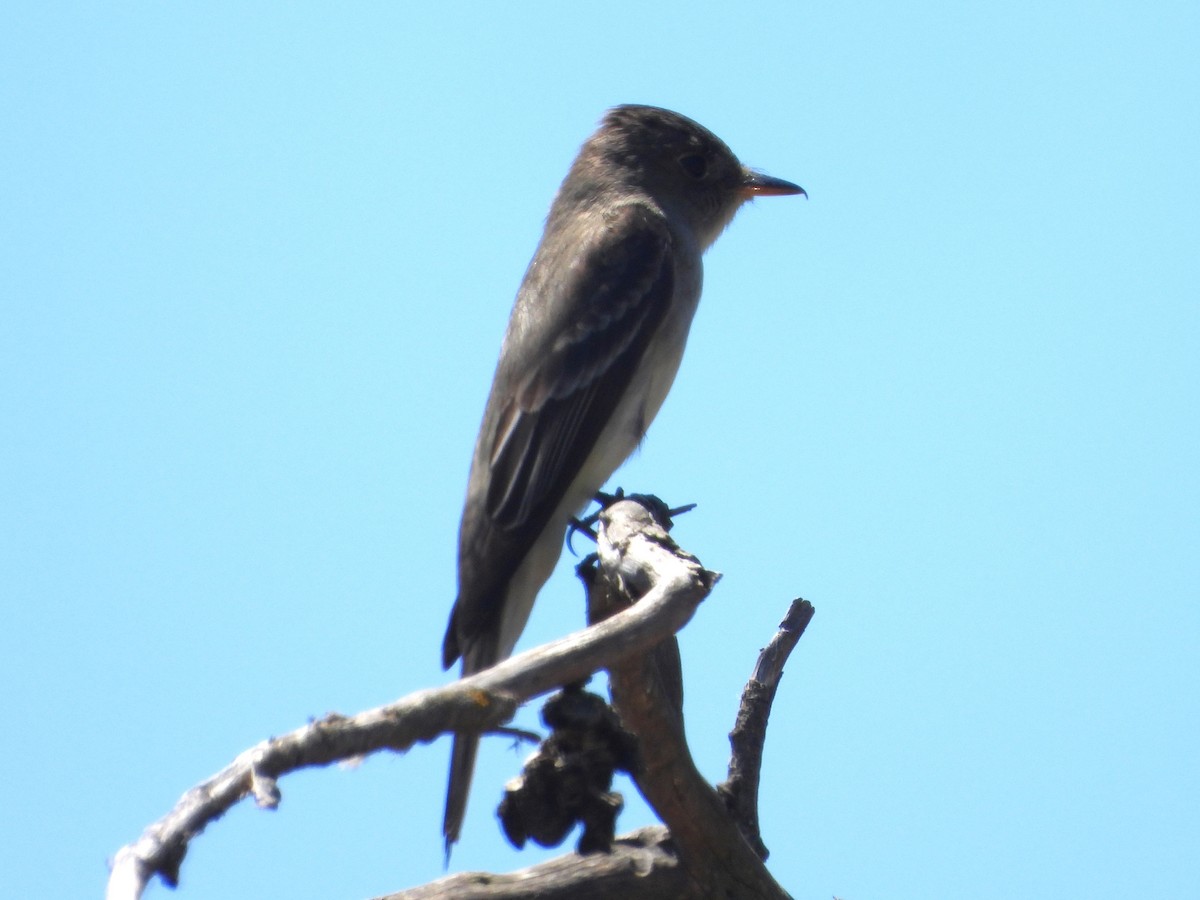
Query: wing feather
[577, 335]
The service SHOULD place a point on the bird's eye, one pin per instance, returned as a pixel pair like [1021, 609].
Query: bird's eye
[694, 164]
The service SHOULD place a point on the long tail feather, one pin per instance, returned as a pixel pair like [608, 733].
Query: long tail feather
[479, 656]
[462, 768]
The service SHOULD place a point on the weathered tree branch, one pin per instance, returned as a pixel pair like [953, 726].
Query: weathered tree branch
[479, 703]
[702, 852]
[711, 843]
[641, 866]
[740, 789]
[709, 847]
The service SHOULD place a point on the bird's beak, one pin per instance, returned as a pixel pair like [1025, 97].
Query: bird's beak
[755, 184]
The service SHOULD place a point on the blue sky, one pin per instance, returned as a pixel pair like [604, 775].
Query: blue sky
[256, 260]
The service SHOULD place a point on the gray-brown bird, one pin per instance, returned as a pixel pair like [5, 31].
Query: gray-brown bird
[592, 347]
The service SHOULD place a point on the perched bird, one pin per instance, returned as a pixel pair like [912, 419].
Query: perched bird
[592, 347]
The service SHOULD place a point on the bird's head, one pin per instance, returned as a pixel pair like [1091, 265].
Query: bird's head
[680, 163]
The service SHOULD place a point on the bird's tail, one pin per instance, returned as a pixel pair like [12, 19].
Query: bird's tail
[462, 768]
[477, 657]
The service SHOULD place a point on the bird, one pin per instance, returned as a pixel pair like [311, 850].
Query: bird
[593, 343]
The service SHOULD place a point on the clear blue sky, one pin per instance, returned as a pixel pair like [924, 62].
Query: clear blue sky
[255, 263]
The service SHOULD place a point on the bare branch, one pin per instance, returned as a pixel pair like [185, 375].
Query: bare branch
[419, 717]
[642, 865]
[749, 734]
[479, 703]
[712, 849]
[709, 846]
[702, 853]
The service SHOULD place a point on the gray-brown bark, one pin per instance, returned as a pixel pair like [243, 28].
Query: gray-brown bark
[709, 845]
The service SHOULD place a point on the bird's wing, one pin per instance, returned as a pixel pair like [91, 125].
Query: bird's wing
[554, 394]
[611, 304]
